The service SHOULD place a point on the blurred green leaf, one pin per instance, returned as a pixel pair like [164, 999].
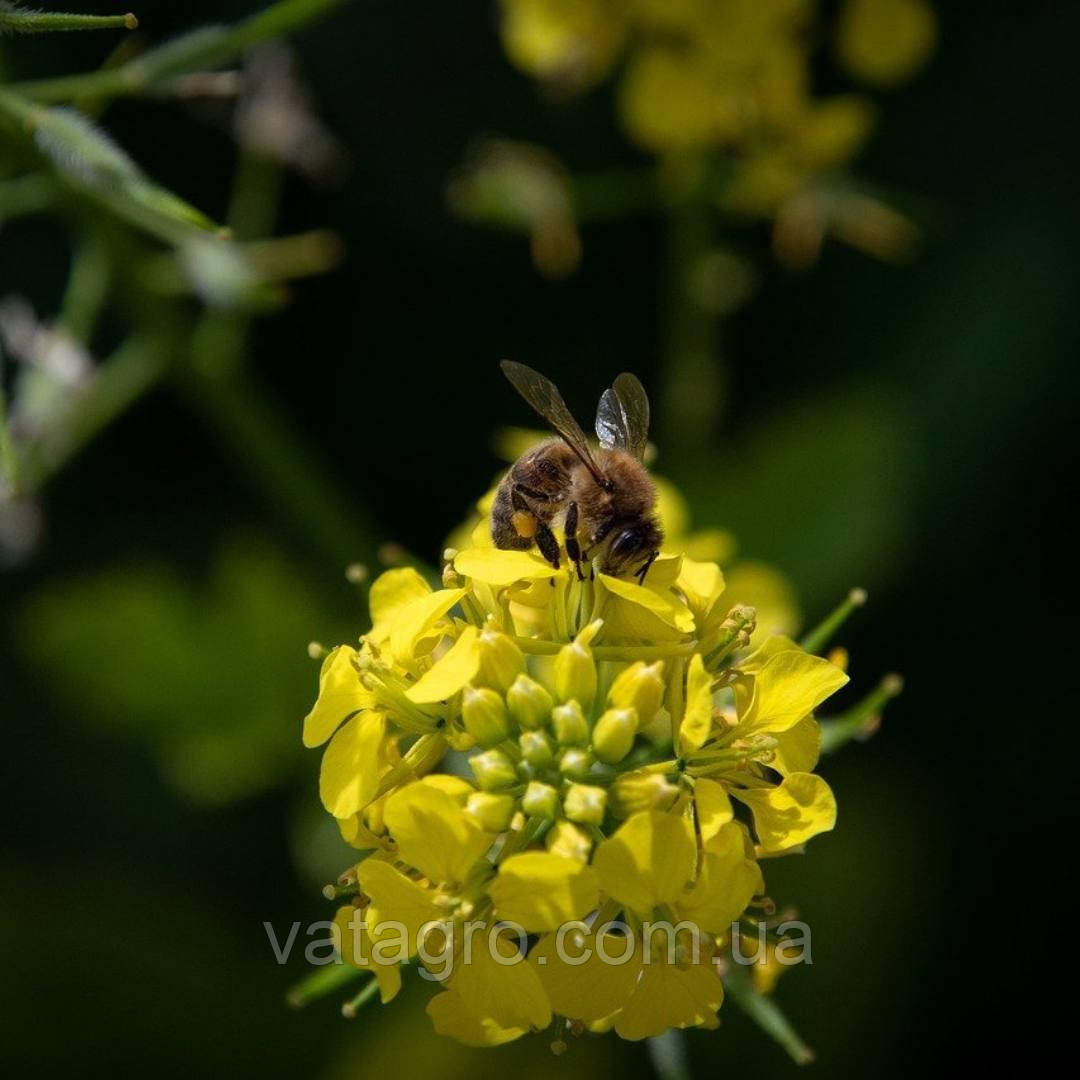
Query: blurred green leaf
[214, 679]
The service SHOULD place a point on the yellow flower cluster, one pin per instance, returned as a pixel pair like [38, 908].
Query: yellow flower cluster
[614, 756]
[727, 75]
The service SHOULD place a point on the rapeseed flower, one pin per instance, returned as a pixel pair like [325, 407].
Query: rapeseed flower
[615, 760]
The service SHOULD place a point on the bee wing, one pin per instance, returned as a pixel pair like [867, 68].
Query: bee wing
[622, 418]
[543, 395]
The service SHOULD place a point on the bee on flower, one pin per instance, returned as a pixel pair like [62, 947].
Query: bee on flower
[562, 784]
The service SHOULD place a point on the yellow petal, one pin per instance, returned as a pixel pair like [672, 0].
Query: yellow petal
[798, 748]
[636, 613]
[702, 584]
[497, 567]
[787, 688]
[450, 1016]
[713, 808]
[541, 891]
[395, 899]
[647, 861]
[451, 671]
[340, 695]
[434, 834]
[508, 993]
[413, 621]
[353, 764]
[697, 720]
[579, 983]
[789, 815]
[725, 885]
[354, 945]
[669, 996]
[390, 593]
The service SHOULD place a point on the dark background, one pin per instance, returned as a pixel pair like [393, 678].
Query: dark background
[907, 429]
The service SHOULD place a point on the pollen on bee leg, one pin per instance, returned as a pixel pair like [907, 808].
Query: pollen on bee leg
[525, 524]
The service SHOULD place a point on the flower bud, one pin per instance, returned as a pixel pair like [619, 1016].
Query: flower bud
[536, 748]
[501, 661]
[484, 714]
[491, 812]
[639, 687]
[585, 804]
[614, 735]
[641, 791]
[571, 727]
[575, 763]
[540, 800]
[575, 669]
[493, 770]
[530, 704]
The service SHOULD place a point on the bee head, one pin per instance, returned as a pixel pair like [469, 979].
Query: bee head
[631, 545]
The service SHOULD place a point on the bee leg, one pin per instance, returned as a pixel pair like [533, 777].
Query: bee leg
[645, 567]
[548, 545]
[573, 548]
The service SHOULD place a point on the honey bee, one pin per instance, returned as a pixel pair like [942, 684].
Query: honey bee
[603, 500]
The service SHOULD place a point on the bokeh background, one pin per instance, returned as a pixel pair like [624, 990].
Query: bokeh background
[910, 429]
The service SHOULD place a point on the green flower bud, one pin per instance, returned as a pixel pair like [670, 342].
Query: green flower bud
[575, 669]
[571, 727]
[491, 812]
[585, 804]
[575, 763]
[536, 748]
[530, 704]
[614, 735]
[540, 800]
[640, 790]
[493, 770]
[484, 714]
[501, 661]
[639, 687]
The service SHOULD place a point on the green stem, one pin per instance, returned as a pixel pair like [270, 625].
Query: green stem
[822, 634]
[356, 1003]
[9, 462]
[766, 1014]
[668, 1055]
[87, 287]
[15, 21]
[128, 374]
[861, 721]
[325, 981]
[205, 48]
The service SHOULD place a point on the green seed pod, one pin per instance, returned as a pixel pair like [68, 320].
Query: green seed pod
[540, 800]
[491, 812]
[639, 687]
[530, 704]
[493, 770]
[536, 748]
[585, 804]
[575, 763]
[614, 735]
[501, 661]
[571, 727]
[484, 715]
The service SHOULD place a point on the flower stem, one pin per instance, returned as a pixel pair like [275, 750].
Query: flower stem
[822, 634]
[766, 1014]
[861, 721]
[320, 983]
[15, 21]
